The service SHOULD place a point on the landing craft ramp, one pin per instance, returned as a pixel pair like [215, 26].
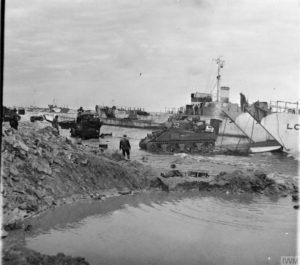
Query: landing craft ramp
[260, 140]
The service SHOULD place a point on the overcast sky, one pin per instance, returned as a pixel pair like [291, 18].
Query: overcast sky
[148, 53]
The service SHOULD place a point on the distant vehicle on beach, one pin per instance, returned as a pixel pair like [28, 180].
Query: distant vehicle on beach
[86, 125]
[7, 113]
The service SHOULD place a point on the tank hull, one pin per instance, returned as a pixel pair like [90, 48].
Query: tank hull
[178, 140]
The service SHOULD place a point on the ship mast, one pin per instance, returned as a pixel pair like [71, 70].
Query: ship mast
[220, 64]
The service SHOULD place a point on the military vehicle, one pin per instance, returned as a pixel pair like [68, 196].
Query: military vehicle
[186, 137]
[36, 118]
[21, 111]
[87, 125]
[7, 114]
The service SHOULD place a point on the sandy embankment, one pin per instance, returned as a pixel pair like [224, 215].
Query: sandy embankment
[41, 170]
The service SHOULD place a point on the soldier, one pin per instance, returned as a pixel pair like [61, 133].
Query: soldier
[14, 120]
[80, 110]
[125, 146]
[55, 123]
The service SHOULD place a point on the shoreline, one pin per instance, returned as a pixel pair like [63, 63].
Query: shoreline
[16, 240]
[42, 171]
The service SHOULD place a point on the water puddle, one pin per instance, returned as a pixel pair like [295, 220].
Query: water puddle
[162, 228]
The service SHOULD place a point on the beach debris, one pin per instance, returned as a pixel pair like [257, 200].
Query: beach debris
[27, 256]
[172, 173]
[198, 174]
[124, 192]
[36, 118]
[236, 182]
[295, 197]
[158, 183]
[84, 162]
[144, 159]
[103, 135]
[103, 146]
[4, 234]
[28, 228]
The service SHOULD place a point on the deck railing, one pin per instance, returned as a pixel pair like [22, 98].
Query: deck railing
[284, 106]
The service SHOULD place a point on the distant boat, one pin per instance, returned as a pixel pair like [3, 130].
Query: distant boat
[56, 109]
[131, 117]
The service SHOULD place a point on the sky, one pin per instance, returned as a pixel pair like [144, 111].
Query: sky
[148, 53]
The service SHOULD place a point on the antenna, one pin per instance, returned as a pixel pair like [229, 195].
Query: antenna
[220, 64]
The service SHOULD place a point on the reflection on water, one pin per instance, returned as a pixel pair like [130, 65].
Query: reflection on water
[161, 228]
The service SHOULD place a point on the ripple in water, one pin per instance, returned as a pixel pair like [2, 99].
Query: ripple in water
[160, 228]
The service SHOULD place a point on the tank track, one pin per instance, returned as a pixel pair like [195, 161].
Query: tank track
[179, 147]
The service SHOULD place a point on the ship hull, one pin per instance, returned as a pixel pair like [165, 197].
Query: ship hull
[285, 128]
[132, 123]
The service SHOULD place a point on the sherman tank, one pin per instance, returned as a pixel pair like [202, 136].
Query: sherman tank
[188, 138]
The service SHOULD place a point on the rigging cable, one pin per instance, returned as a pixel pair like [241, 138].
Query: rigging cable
[245, 133]
[278, 132]
[252, 129]
[209, 83]
[237, 144]
[223, 131]
[214, 87]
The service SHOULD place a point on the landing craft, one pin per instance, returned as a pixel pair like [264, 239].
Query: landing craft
[280, 120]
[274, 126]
[210, 106]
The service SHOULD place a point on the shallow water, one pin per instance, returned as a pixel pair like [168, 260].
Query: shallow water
[278, 163]
[162, 228]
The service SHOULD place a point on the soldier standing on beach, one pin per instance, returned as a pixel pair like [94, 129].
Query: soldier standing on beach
[55, 123]
[125, 146]
[14, 120]
[80, 110]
